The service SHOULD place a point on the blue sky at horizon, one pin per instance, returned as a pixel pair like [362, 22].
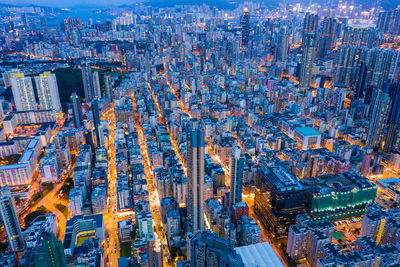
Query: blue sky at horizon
[69, 3]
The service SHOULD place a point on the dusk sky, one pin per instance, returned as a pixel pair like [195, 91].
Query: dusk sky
[66, 3]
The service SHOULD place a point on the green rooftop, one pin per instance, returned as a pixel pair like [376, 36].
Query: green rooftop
[338, 236]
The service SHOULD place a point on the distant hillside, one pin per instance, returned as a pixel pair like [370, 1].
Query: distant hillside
[366, 4]
[2, 4]
[227, 4]
[222, 4]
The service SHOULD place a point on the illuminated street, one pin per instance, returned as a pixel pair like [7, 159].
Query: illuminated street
[153, 194]
[111, 245]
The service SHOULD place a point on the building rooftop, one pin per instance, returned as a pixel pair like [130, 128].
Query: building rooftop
[281, 179]
[328, 184]
[307, 131]
[260, 255]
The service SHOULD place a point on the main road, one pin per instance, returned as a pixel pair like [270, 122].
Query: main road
[51, 199]
[155, 206]
[111, 244]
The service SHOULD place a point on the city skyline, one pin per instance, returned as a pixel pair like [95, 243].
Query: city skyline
[246, 133]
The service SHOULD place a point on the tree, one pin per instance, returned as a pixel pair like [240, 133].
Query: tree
[291, 262]
[3, 246]
[66, 187]
[356, 231]
[69, 80]
[17, 200]
[134, 233]
[33, 215]
[173, 251]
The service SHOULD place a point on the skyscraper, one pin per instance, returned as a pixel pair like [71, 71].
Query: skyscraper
[329, 28]
[49, 252]
[23, 94]
[362, 66]
[389, 21]
[384, 65]
[207, 249]
[348, 65]
[96, 113]
[392, 142]
[310, 25]
[307, 59]
[76, 110]
[10, 220]
[47, 89]
[96, 120]
[236, 169]
[376, 130]
[195, 165]
[108, 87]
[88, 82]
[368, 37]
[96, 84]
[245, 24]
[361, 82]
[283, 44]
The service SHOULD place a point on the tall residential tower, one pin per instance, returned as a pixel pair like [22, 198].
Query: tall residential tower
[47, 89]
[307, 59]
[91, 83]
[245, 24]
[10, 220]
[23, 94]
[76, 110]
[236, 169]
[195, 165]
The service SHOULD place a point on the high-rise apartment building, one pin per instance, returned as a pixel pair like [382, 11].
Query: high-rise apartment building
[10, 221]
[329, 29]
[236, 169]
[380, 112]
[108, 87]
[307, 59]
[207, 249]
[368, 37]
[195, 167]
[47, 90]
[91, 83]
[389, 21]
[310, 25]
[392, 142]
[76, 110]
[22, 89]
[96, 84]
[384, 64]
[348, 62]
[382, 226]
[307, 237]
[50, 252]
[245, 24]
[96, 120]
[283, 44]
